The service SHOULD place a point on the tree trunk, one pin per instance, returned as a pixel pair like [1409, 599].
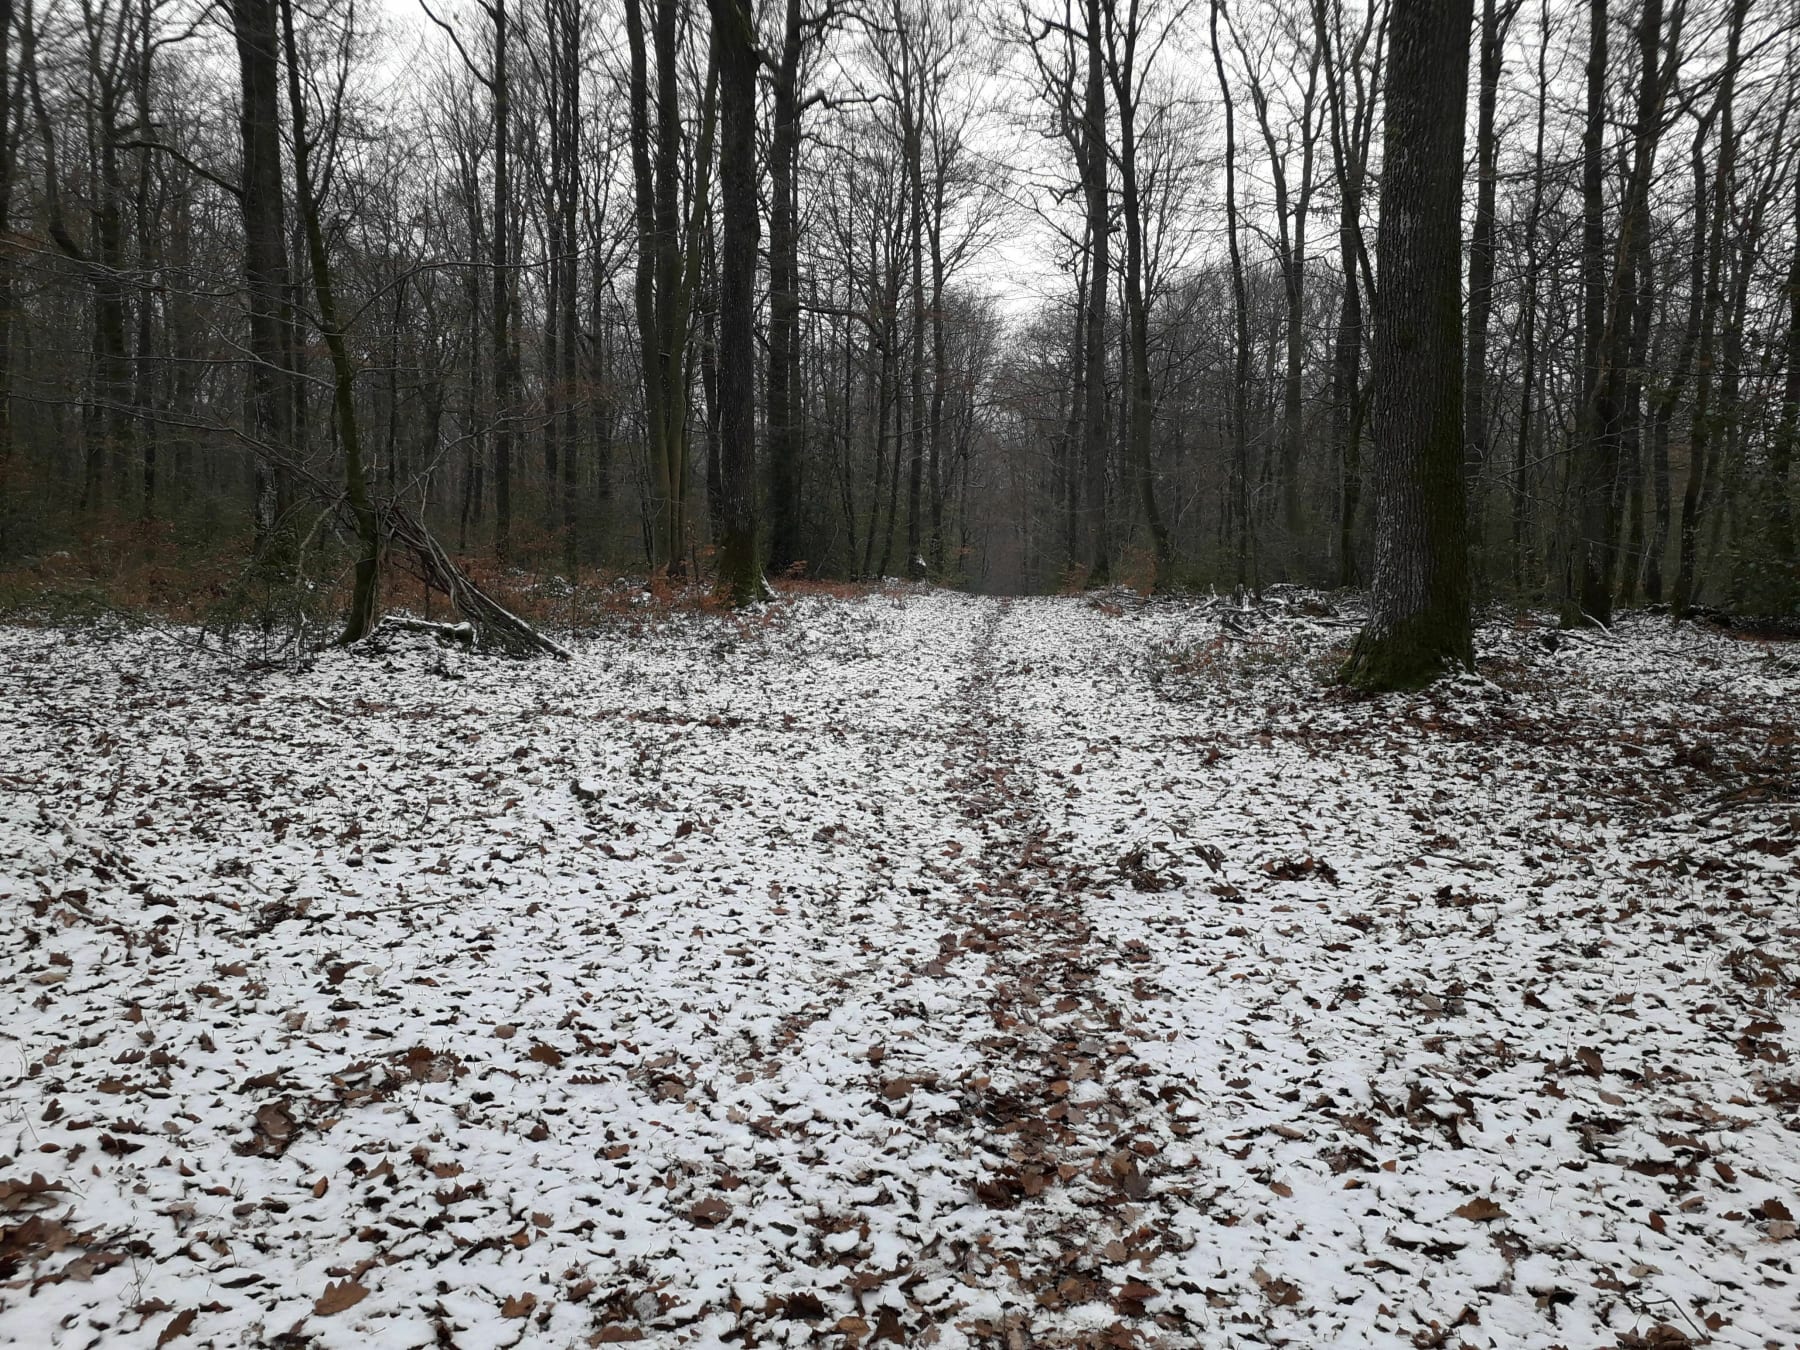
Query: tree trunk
[1141, 408]
[913, 148]
[939, 377]
[1481, 247]
[1098, 545]
[1528, 321]
[1349, 156]
[1695, 494]
[1237, 506]
[569, 182]
[1587, 591]
[1668, 398]
[668, 262]
[785, 544]
[266, 276]
[1778, 487]
[734, 53]
[363, 599]
[505, 377]
[1419, 617]
[8, 282]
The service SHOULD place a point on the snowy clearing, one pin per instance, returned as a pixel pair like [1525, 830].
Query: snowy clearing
[926, 970]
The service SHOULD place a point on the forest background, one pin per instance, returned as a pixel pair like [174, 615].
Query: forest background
[1044, 294]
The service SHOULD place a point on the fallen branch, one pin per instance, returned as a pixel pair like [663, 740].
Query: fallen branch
[1760, 793]
[491, 624]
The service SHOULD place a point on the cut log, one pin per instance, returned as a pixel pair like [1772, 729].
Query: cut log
[443, 632]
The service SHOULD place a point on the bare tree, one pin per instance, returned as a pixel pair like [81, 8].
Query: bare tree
[1419, 619]
[668, 259]
[734, 55]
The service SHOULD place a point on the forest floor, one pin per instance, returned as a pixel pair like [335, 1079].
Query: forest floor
[923, 969]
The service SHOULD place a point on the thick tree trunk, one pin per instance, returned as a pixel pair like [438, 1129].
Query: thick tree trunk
[266, 277]
[939, 381]
[1069, 446]
[1630, 314]
[913, 149]
[734, 53]
[1419, 619]
[562, 429]
[1096, 536]
[785, 543]
[668, 262]
[8, 287]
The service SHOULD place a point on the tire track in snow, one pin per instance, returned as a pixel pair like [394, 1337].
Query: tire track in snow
[1062, 1168]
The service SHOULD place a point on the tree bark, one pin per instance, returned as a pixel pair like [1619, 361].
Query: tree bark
[1668, 398]
[1528, 322]
[8, 274]
[734, 54]
[1419, 617]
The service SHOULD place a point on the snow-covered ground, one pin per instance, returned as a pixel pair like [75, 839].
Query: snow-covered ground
[925, 969]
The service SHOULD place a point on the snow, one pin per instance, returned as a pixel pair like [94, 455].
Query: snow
[926, 968]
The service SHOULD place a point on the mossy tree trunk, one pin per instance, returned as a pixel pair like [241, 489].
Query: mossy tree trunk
[1419, 620]
[364, 593]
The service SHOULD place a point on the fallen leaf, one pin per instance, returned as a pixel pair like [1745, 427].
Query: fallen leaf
[274, 1122]
[36, 1193]
[1480, 1210]
[888, 1328]
[178, 1326]
[710, 1211]
[802, 1306]
[338, 1297]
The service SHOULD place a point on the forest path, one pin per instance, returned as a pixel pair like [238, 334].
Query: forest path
[1048, 1123]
